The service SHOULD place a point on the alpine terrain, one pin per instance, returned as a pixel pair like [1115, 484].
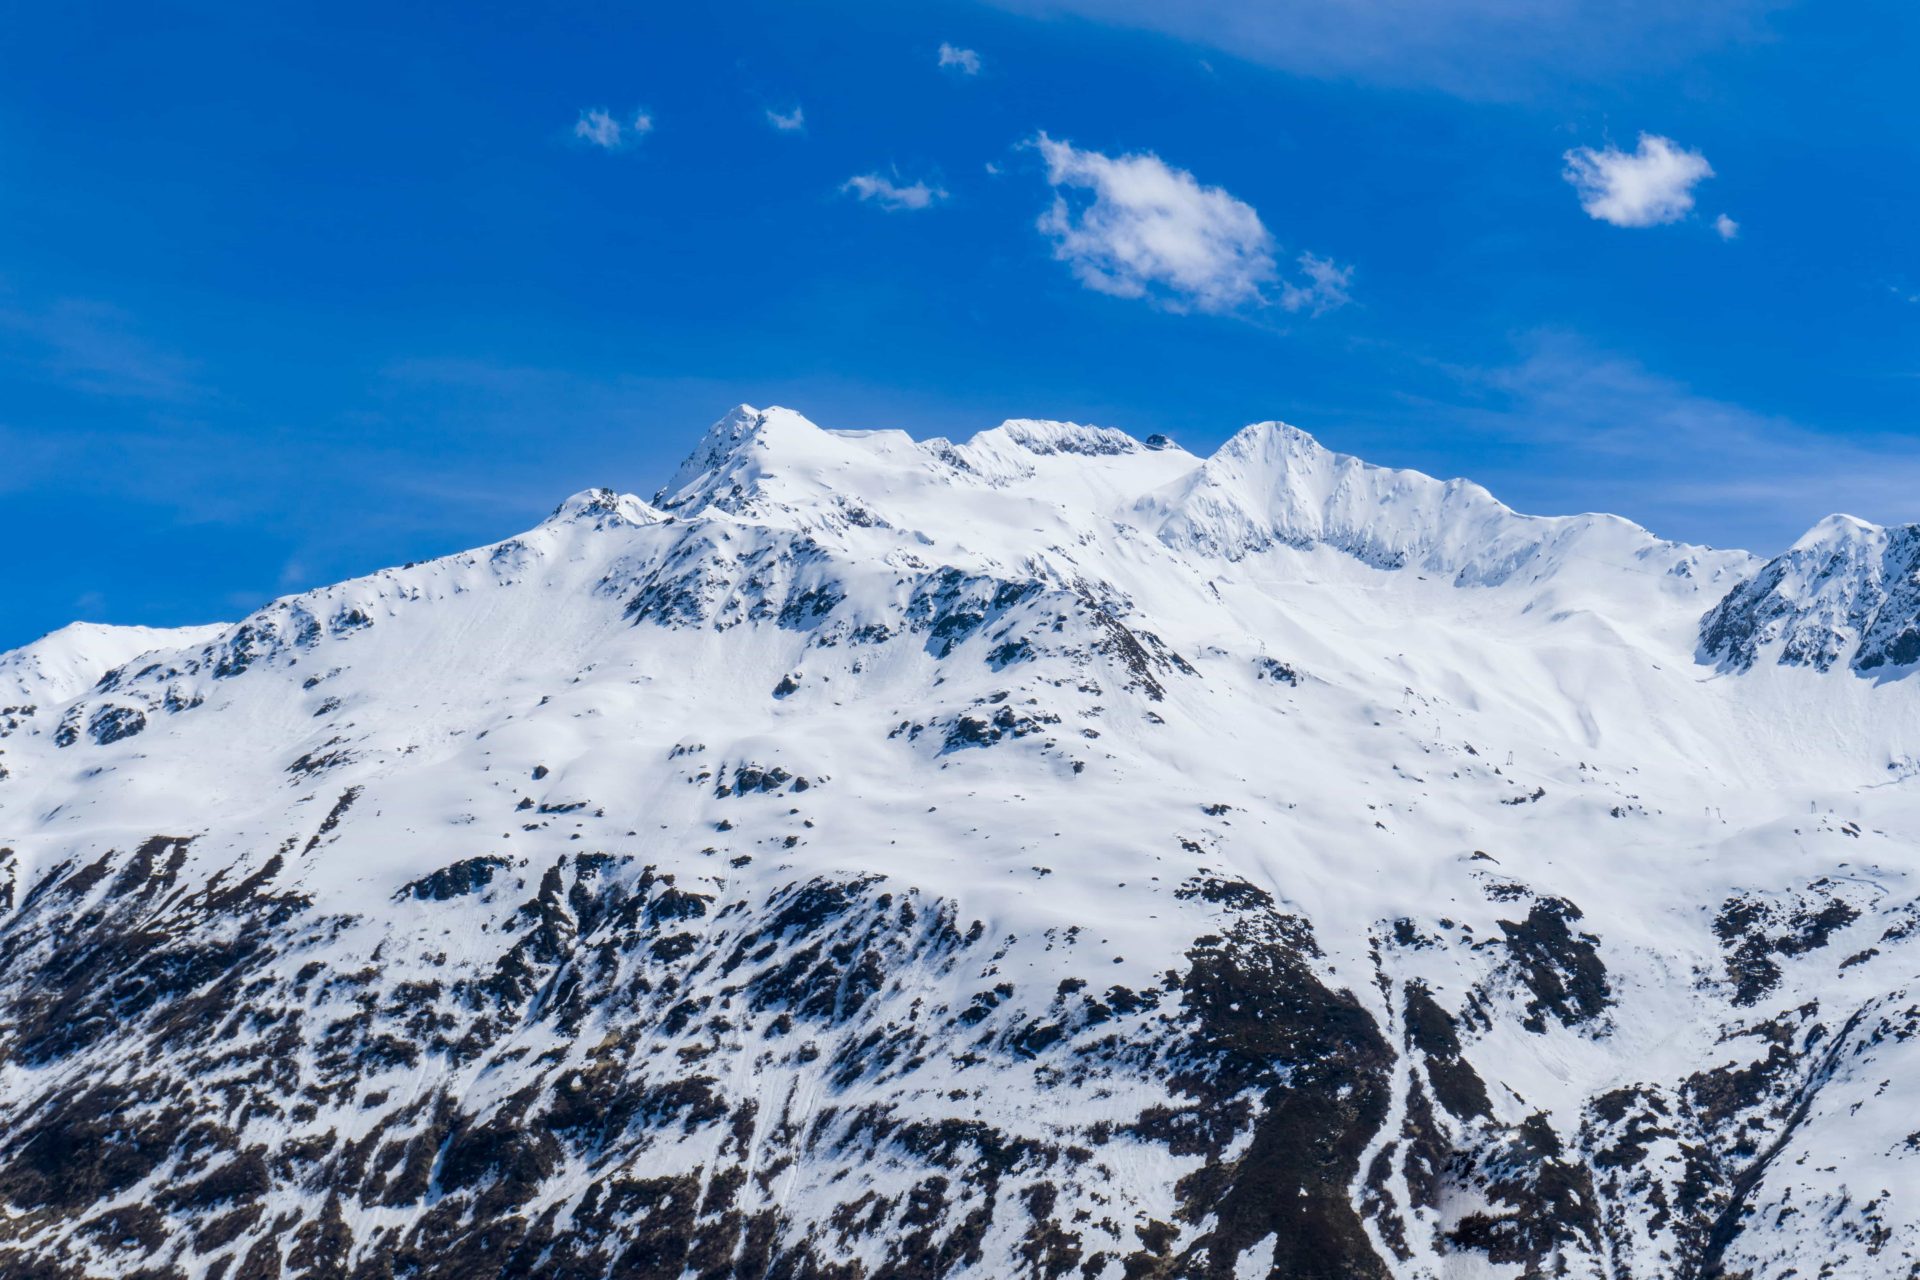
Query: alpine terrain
[1049, 855]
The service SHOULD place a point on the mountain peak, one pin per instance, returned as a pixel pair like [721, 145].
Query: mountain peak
[1837, 530]
[1298, 454]
[1847, 590]
[743, 432]
[1274, 484]
[1275, 434]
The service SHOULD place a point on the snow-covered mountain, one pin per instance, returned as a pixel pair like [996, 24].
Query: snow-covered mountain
[1848, 590]
[1049, 854]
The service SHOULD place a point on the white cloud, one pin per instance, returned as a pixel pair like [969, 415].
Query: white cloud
[1641, 188]
[890, 195]
[965, 61]
[792, 122]
[1727, 227]
[599, 127]
[1152, 231]
[1325, 288]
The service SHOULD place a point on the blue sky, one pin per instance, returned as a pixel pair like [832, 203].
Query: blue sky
[291, 292]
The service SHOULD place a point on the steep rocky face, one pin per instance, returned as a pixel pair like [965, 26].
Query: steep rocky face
[676, 1079]
[893, 859]
[1847, 592]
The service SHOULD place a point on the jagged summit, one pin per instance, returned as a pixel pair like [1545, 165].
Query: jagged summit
[733, 444]
[1061, 499]
[1272, 485]
[784, 434]
[776, 466]
[749, 445]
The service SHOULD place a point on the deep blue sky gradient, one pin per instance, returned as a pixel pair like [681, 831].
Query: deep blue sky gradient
[291, 292]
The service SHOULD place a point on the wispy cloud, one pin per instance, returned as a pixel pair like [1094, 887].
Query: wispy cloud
[599, 127]
[1641, 188]
[1136, 227]
[1496, 49]
[97, 348]
[964, 61]
[891, 195]
[793, 121]
[1581, 427]
[1726, 227]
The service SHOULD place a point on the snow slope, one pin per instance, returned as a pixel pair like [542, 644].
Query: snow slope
[1045, 854]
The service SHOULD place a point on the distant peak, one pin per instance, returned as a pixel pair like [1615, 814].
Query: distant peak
[1273, 484]
[1847, 591]
[1043, 437]
[1287, 452]
[603, 506]
[121, 635]
[62, 663]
